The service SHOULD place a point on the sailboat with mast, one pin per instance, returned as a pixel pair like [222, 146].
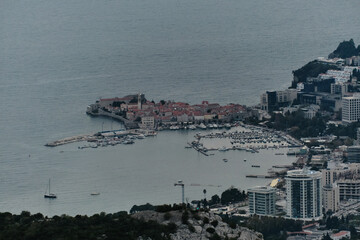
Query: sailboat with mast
[48, 194]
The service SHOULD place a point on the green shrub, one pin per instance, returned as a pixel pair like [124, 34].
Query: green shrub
[214, 223]
[196, 215]
[167, 216]
[163, 208]
[232, 224]
[216, 237]
[172, 227]
[185, 217]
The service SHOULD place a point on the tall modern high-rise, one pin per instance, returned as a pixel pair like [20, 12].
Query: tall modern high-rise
[303, 194]
[262, 200]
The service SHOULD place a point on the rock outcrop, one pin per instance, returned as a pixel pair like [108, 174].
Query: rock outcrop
[199, 225]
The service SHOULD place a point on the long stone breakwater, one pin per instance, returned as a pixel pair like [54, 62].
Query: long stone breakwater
[103, 139]
[74, 139]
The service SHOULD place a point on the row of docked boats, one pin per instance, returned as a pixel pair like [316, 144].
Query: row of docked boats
[201, 126]
[112, 141]
[250, 138]
[224, 149]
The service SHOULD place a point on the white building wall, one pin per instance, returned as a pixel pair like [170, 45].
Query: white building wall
[331, 198]
[199, 118]
[351, 108]
[148, 122]
[349, 189]
[262, 200]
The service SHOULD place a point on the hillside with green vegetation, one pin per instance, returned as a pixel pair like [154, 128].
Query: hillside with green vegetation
[162, 222]
[297, 125]
[311, 69]
[273, 228]
[345, 49]
[99, 226]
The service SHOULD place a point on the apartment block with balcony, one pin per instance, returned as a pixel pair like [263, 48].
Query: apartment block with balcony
[262, 200]
[303, 194]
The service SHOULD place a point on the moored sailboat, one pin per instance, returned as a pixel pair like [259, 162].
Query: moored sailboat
[48, 194]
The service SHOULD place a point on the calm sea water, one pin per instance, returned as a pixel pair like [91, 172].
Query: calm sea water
[56, 57]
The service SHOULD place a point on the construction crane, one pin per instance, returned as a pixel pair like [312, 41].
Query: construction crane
[180, 183]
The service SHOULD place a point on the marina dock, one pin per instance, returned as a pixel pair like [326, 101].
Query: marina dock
[247, 138]
[198, 147]
[259, 176]
[282, 166]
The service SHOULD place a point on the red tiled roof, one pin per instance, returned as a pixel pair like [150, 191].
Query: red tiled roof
[166, 118]
[297, 233]
[309, 225]
[339, 234]
[198, 113]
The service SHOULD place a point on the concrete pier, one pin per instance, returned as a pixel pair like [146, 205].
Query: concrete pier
[79, 138]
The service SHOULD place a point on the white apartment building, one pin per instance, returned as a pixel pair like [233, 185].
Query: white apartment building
[262, 200]
[349, 189]
[331, 197]
[271, 98]
[351, 108]
[330, 175]
[147, 122]
[287, 95]
[339, 88]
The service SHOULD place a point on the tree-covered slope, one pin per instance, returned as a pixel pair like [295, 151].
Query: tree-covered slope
[345, 49]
